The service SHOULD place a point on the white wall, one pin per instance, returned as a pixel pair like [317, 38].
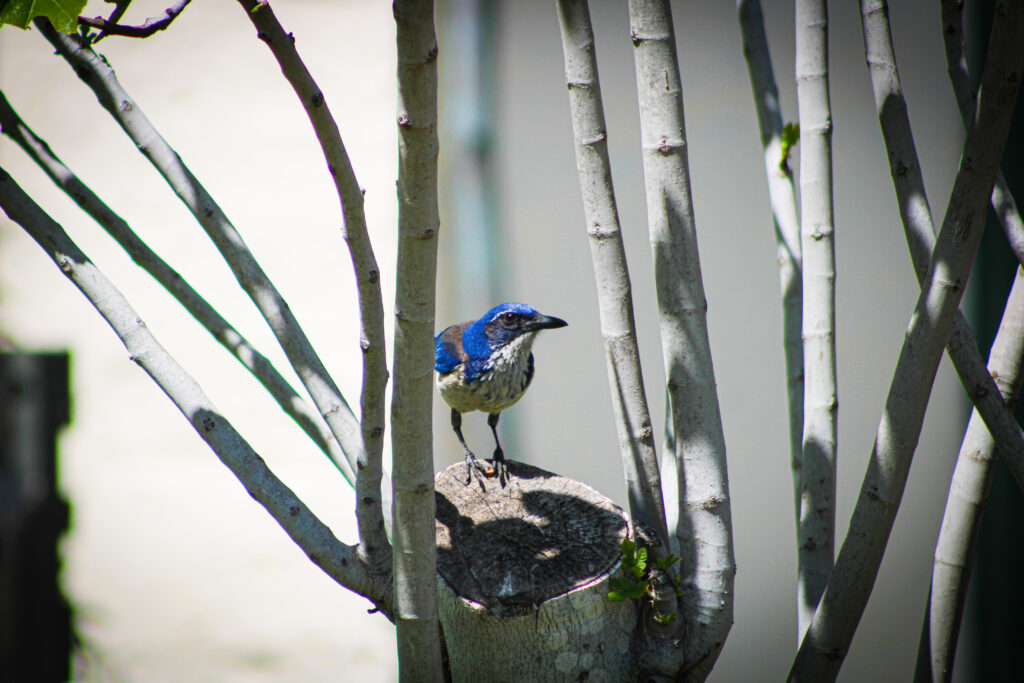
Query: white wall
[179, 575]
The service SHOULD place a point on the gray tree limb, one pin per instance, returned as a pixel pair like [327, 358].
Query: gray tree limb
[968, 493]
[100, 77]
[614, 293]
[963, 89]
[415, 557]
[816, 540]
[370, 510]
[828, 639]
[917, 224]
[704, 530]
[782, 197]
[255, 362]
[340, 561]
[972, 478]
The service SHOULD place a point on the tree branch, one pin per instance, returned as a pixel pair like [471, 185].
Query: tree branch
[111, 27]
[917, 224]
[415, 559]
[963, 90]
[255, 362]
[821, 404]
[614, 295]
[370, 511]
[338, 560]
[98, 75]
[708, 565]
[787, 226]
[968, 493]
[827, 641]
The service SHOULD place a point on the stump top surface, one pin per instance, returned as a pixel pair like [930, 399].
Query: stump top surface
[513, 547]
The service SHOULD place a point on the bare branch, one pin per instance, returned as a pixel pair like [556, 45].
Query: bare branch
[415, 560]
[111, 27]
[917, 224]
[338, 560]
[828, 639]
[787, 226]
[232, 340]
[370, 512]
[821, 405]
[708, 564]
[615, 299]
[98, 75]
[968, 494]
[963, 89]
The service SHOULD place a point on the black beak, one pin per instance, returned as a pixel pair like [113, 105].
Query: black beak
[545, 322]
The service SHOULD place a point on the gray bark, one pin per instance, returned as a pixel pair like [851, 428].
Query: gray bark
[835, 621]
[416, 620]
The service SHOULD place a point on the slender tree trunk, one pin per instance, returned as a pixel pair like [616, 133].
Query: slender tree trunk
[787, 226]
[821, 403]
[704, 530]
[416, 619]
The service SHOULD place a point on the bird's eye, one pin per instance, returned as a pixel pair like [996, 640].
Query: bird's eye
[508, 318]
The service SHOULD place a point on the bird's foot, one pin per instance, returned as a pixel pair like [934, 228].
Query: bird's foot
[475, 467]
[500, 466]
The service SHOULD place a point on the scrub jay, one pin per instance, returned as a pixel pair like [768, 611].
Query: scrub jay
[487, 365]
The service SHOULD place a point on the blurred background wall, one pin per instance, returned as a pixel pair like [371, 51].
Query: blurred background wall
[176, 574]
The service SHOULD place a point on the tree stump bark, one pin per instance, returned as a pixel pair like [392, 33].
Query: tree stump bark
[523, 579]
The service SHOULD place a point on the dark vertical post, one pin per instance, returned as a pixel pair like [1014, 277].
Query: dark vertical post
[35, 619]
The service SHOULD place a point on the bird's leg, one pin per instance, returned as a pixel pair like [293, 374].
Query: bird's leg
[499, 455]
[471, 461]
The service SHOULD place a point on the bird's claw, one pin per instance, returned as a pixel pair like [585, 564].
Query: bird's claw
[475, 467]
[500, 466]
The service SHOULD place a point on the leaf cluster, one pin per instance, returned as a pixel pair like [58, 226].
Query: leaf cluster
[636, 579]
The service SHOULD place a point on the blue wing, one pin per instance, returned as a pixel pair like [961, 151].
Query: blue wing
[448, 351]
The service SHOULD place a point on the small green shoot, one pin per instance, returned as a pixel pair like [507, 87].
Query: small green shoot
[636, 583]
[790, 136]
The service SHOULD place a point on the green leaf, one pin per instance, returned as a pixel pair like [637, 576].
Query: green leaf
[616, 597]
[790, 136]
[668, 562]
[664, 618]
[63, 14]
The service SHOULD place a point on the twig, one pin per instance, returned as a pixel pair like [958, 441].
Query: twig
[917, 224]
[708, 564]
[111, 27]
[260, 367]
[98, 75]
[828, 639]
[370, 511]
[416, 614]
[818, 477]
[338, 560]
[787, 226]
[614, 295]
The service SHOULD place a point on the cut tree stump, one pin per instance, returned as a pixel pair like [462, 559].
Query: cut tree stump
[523, 578]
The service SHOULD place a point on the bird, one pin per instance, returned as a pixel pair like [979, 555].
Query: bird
[487, 364]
